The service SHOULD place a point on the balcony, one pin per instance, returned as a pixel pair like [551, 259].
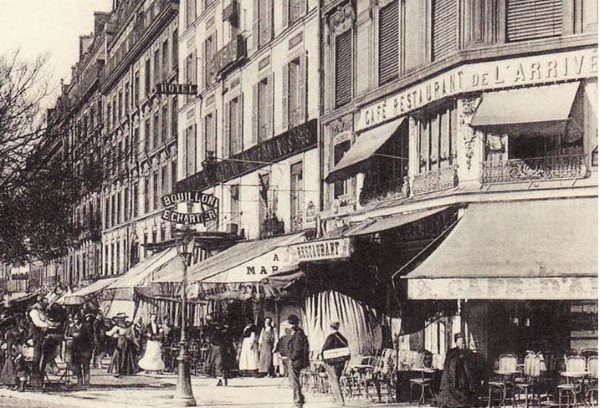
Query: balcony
[228, 56]
[435, 180]
[377, 192]
[571, 166]
[230, 13]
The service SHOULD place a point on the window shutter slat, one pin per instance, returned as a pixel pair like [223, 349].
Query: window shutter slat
[270, 105]
[255, 24]
[445, 38]
[285, 13]
[239, 140]
[226, 129]
[302, 90]
[533, 19]
[343, 68]
[254, 114]
[388, 42]
[284, 97]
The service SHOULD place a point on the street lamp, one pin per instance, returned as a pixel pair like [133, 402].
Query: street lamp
[184, 396]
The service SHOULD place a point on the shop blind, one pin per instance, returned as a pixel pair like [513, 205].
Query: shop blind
[444, 28]
[388, 42]
[343, 68]
[532, 19]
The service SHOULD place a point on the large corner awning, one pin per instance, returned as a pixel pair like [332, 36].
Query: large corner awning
[80, 296]
[365, 146]
[534, 250]
[374, 225]
[526, 110]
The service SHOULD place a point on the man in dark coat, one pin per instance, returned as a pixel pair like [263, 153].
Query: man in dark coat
[217, 336]
[298, 354]
[457, 386]
[334, 369]
[99, 331]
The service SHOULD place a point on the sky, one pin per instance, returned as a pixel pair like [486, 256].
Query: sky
[36, 27]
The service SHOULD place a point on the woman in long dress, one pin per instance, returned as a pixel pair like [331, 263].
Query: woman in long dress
[249, 352]
[267, 342]
[123, 359]
[152, 360]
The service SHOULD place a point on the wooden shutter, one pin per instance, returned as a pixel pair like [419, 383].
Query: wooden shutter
[531, 19]
[303, 6]
[285, 82]
[285, 13]
[240, 124]
[343, 68]
[388, 42]
[254, 113]
[202, 69]
[269, 106]
[255, 23]
[226, 130]
[302, 90]
[445, 35]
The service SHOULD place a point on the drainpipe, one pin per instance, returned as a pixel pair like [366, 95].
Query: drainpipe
[320, 112]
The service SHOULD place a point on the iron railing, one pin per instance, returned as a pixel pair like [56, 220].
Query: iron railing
[570, 166]
[435, 180]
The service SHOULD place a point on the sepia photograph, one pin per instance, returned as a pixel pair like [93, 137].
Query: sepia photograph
[298, 203]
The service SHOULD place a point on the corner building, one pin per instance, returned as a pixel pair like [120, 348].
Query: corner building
[459, 142]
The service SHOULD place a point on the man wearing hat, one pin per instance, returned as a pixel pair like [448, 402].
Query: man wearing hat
[298, 354]
[334, 368]
[457, 386]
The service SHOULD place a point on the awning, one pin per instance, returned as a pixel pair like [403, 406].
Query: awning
[154, 267]
[525, 250]
[537, 109]
[365, 146]
[373, 225]
[237, 270]
[80, 296]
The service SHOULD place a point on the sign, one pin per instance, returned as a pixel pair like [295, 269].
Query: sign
[294, 141]
[321, 250]
[481, 76]
[190, 218]
[190, 197]
[176, 89]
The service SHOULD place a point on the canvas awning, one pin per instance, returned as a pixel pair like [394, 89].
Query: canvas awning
[80, 296]
[235, 272]
[373, 225]
[365, 146]
[537, 109]
[533, 250]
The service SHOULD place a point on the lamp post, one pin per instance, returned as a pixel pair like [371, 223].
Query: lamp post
[183, 390]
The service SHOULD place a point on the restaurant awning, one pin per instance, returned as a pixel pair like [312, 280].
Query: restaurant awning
[80, 296]
[365, 146]
[235, 272]
[373, 225]
[522, 250]
[526, 110]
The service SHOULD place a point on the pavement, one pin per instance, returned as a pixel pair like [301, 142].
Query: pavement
[156, 391]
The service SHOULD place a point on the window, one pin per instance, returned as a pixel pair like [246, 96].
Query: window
[437, 139]
[164, 180]
[114, 116]
[126, 214]
[263, 22]
[147, 77]
[155, 191]
[136, 88]
[108, 115]
[190, 71]
[586, 16]
[173, 175]
[164, 123]
[165, 59]
[445, 32]
[119, 208]
[343, 68]
[235, 212]
[157, 74]
[174, 116]
[147, 135]
[112, 258]
[265, 109]
[136, 141]
[145, 242]
[209, 52]
[389, 42]
[297, 8]
[232, 127]
[175, 50]
[294, 93]
[190, 149]
[107, 212]
[210, 135]
[120, 104]
[113, 214]
[415, 45]
[527, 21]
[126, 101]
[146, 194]
[296, 196]
[263, 201]
[190, 12]
[135, 197]
[339, 187]
[156, 131]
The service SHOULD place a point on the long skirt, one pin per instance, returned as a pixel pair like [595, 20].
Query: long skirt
[248, 355]
[123, 359]
[152, 360]
[266, 358]
[8, 376]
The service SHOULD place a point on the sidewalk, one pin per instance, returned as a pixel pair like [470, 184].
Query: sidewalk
[157, 391]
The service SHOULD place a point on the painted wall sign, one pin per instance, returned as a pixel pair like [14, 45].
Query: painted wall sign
[190, 218]
[176, 89]
[321, 250]
[190, 197]
[481, 76]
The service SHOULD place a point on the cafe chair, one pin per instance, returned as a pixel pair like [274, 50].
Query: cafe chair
[529, 384]
[423, 384]
[573, 364]
[504, 381]
[592, 387]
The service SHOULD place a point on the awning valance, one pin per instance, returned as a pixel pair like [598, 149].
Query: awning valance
[365, 146]
[542, 249]
[526, 110]
[373, 225]
[80, 296]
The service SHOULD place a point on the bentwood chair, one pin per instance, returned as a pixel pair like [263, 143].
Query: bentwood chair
[529, 384]
[592, 388]
[504, 381]
[575, 371]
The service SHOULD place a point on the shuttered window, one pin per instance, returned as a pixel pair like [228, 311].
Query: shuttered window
[388, 42]
[265, 109]
[210, 146]
[445, 37]
[339, 187]
[343, 68]
[532, 19]
[190, 148]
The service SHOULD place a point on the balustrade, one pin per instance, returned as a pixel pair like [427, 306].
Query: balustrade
[537, 168]
[375, 192]
[435, 180]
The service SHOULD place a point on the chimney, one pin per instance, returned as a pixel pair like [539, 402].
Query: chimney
[100, 19]
[84, 42]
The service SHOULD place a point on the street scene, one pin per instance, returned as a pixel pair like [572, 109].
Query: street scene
[298, 203]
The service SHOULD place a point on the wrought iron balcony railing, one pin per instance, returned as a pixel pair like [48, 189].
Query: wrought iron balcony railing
[376, 192]
[537, 168]
[435, 180]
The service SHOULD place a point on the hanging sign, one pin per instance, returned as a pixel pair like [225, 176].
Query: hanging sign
[190, 218]
[321, 250]
[176, 89]
[190, 197]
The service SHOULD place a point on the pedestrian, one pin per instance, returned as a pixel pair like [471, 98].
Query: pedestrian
[84, 349]
[457, 386]
[152, 360]
[123, 360]
[267, 341]
[281, 351]
[298, 354]
[249, 352]
[219, 350]
[335, 367]
[99, 331]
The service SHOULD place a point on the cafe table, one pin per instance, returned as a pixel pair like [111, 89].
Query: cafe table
[570, 386]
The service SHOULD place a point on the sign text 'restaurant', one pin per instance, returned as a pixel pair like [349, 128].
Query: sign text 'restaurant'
[321, 250]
